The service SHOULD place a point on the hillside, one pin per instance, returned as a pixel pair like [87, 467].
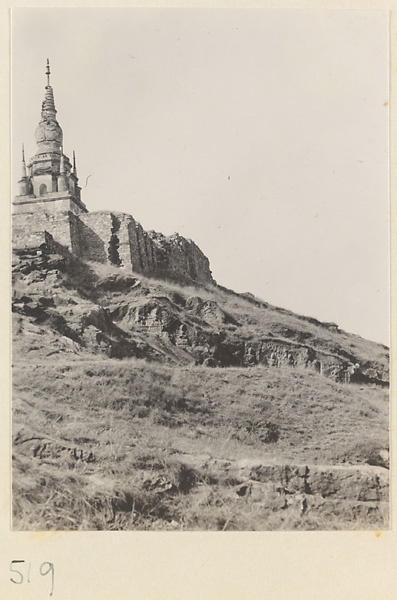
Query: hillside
[142, 403]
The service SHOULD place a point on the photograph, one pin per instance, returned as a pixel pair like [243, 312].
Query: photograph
[200, 270]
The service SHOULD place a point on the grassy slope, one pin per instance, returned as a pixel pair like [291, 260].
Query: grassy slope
[140, 420]
[101, 443]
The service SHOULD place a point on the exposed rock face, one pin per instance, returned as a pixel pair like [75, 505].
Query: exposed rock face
[359, 483]
[117, 239]
[121, 317]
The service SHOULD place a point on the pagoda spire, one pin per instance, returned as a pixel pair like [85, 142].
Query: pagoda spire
[23, 182]
[48, 72]
[49, 181]
[48, 106]
[49, 136]
[23, 173]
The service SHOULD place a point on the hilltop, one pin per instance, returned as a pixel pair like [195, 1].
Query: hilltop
[168, 403]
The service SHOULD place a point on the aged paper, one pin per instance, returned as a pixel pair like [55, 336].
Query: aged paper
[178, 565]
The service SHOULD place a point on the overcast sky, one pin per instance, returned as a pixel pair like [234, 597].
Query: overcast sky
[262, 135]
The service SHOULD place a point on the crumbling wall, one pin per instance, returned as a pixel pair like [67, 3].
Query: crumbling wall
[141, 248]
[177, 255]
[75, 234]
[95, 234]
[27, 229]
[126, 256]
[115, 238]
[27, 239]
[135, 247]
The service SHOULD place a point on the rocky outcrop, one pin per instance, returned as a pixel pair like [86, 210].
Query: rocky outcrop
[122, 316]
[210, 335]
[355, 494]
[357, 483]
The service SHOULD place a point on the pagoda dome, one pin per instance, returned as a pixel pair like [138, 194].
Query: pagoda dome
[49, 133]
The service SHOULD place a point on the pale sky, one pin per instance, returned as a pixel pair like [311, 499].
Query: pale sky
[262, 135]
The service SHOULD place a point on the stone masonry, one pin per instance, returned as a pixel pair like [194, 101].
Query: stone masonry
[117, 239]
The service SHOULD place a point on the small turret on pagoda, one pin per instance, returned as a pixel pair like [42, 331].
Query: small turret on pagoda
[49, 182]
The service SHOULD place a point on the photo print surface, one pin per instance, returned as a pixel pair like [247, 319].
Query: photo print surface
[200, 270]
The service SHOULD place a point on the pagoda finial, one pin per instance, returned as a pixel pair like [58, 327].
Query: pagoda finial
[48, 72]
[23, 163]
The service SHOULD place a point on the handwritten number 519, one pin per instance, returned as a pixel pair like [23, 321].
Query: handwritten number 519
[18, 575]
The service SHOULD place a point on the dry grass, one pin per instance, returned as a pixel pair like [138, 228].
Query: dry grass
[101, 443]
[104, 445]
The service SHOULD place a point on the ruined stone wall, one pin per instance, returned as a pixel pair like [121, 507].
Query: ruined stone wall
[27, 239]
[75, 234]
[118, 239]
[135, 249]
[177, 255]
[50, 246]
[115, 238]
[95, 234]
[28, 227]
[126, 256]
[146, 250]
